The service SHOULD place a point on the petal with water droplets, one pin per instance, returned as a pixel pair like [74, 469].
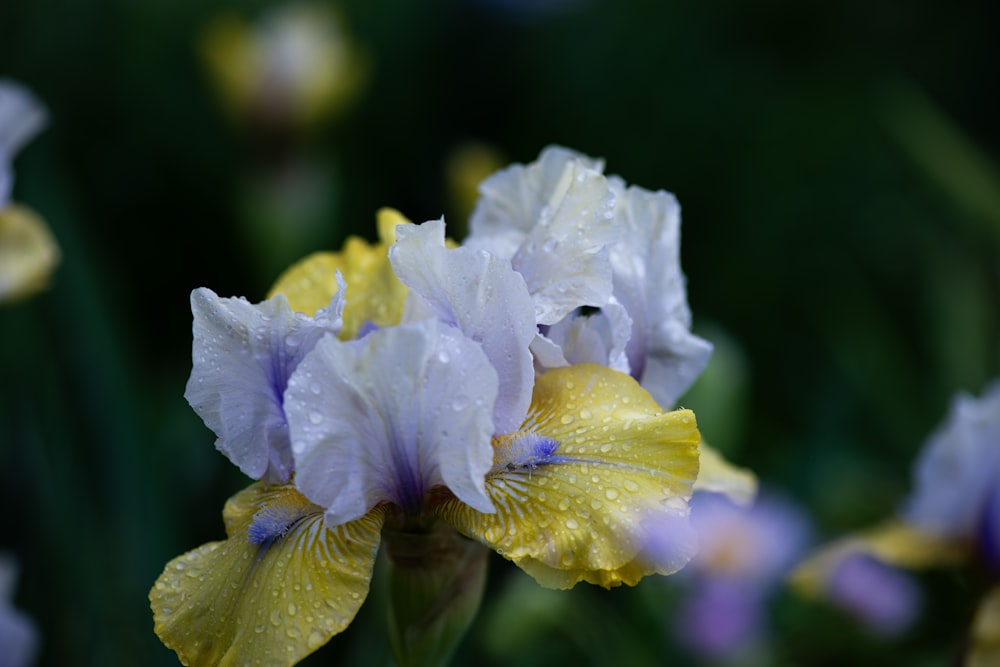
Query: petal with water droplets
[595, 486]
[269, 601]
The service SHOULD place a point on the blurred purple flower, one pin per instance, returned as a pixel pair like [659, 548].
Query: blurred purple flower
[18, 635]
[883, 597]
[744, 553]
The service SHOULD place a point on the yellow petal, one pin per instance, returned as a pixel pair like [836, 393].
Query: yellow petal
[374, 294]
[28, 253]
[984, 644]
[893, 542]
[273, 602]
[717, 475]
[595, 486]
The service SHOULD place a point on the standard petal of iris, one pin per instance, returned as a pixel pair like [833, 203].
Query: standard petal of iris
[663, 354]
[554, 220]
[243, 355]
[375, 294]
[598, 338]
[283, 583]
[594, 487]
[388, 417]
[481, 295]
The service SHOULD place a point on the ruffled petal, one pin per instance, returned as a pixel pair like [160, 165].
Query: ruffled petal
[388, 417]
[554, 219]
[512, 198]
[482, 296]
[717, 475]
[375, 295]
[663, 354]
[283, 583]
[243, 356]
[594, 487]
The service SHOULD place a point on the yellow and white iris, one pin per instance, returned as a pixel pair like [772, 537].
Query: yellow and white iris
[395, 386]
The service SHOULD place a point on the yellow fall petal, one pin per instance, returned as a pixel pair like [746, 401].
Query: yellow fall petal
[28, 253]
[984, 642]
[894, 542]
[271, 603]
[717, 475]
[374, 293]
[595, 486]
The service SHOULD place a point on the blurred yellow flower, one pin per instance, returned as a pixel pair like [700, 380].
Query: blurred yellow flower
[28, 253]
[295, 67]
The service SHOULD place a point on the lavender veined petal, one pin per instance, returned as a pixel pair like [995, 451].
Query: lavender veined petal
[243, 355]
[388, 417]
[481, 295]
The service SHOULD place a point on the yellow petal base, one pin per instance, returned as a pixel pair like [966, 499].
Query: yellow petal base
[239, 603]
[607, 503]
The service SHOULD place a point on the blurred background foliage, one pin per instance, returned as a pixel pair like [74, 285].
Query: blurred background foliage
[837, 168]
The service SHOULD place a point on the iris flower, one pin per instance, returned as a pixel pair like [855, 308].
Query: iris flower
[296, 66]
[392, 387]
[951, 517]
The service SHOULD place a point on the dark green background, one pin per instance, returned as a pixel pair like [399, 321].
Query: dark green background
[836, 164]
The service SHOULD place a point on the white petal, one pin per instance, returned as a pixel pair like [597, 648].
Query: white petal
[513, 198]
[958, 468]
[388, 417]
[663, 355]
[243, 355]
[22, 116]
[556, 216]
[481, 295]
[598, 338]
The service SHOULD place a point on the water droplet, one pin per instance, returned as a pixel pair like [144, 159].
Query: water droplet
[564, 504]
[567, 419]
[572, 524]
[291, 609]
[315, 416]
[611, 494]
[443, 357]
[585, 414]
[631, 486]
[315, 388]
